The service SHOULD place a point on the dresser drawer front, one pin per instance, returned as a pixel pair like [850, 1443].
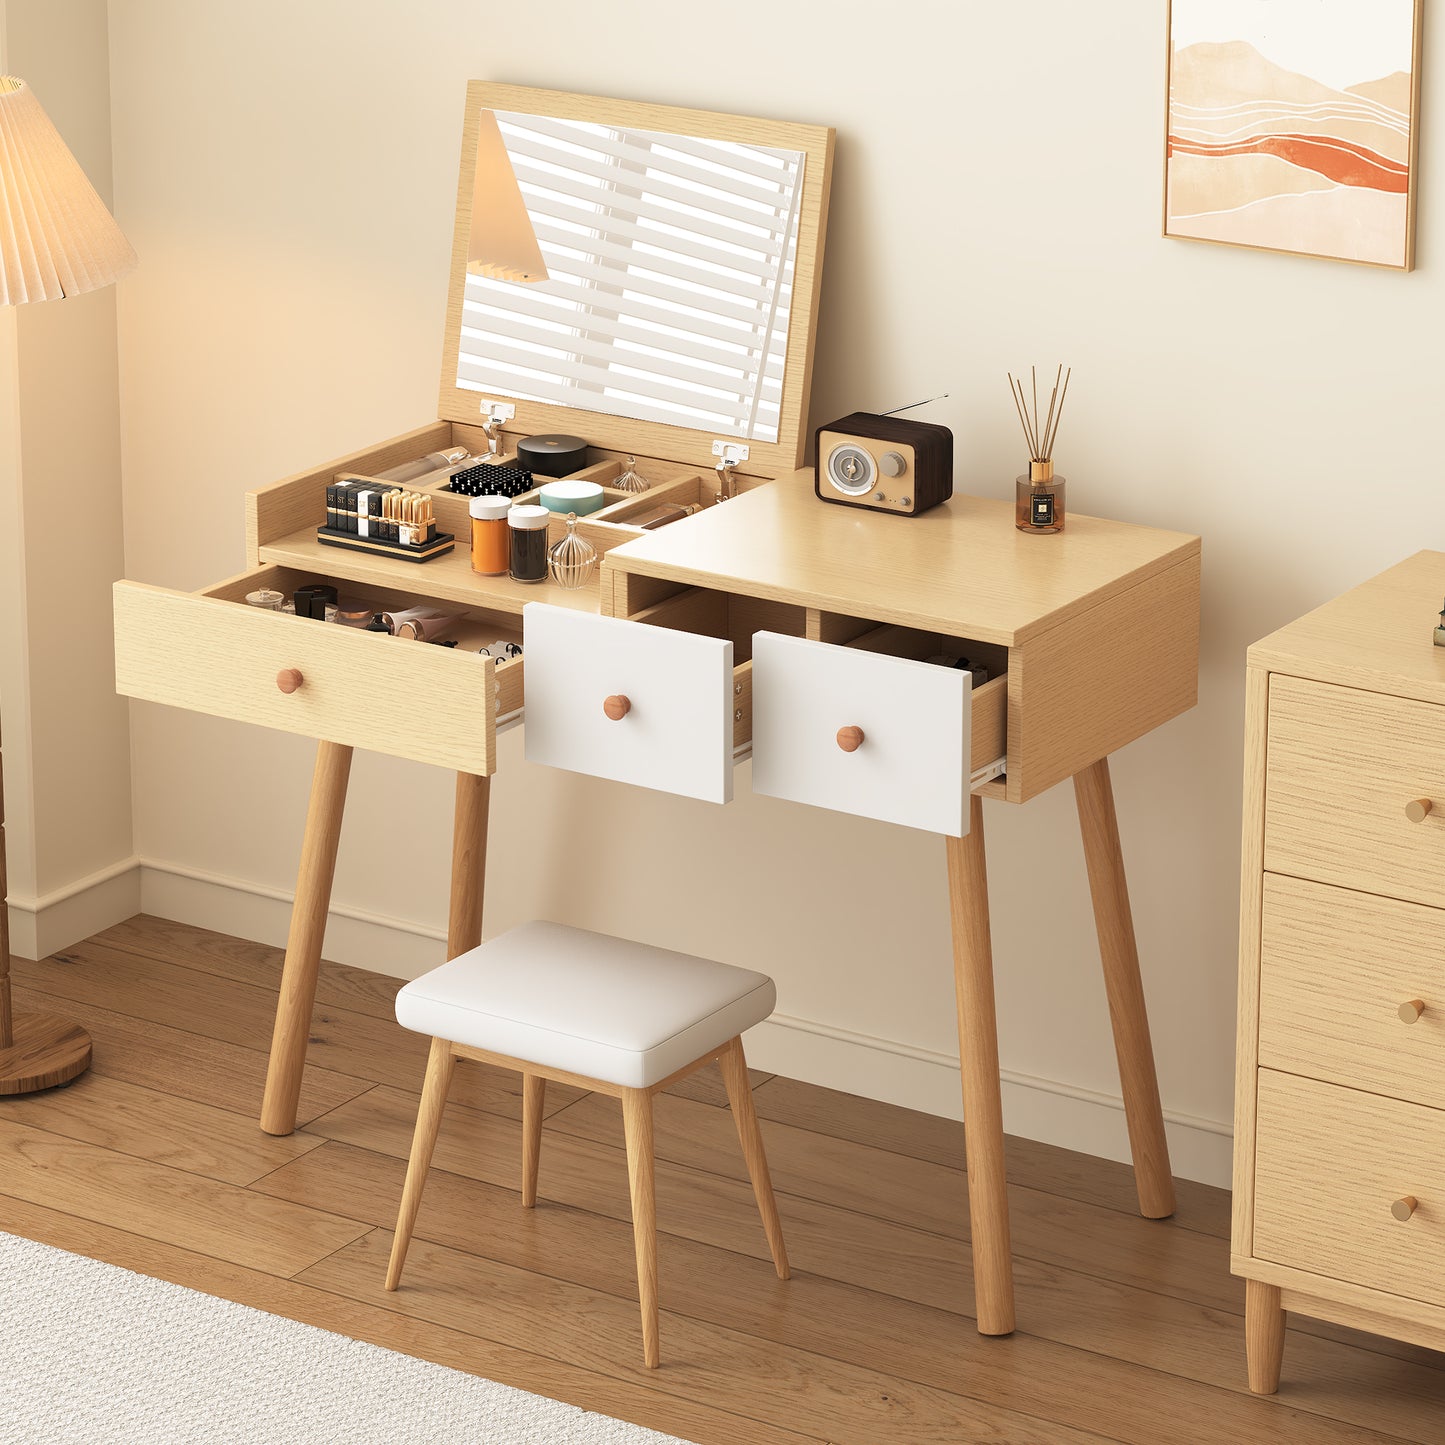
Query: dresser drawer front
[913, 764]
[213, 655]
[1342, 765]
[1329, 1165]
[1336, 968]
[676, 734]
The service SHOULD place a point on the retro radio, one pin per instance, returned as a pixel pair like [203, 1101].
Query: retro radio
[884, 463]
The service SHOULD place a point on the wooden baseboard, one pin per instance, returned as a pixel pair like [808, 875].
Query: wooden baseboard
[55, 920]
[1052, 1111]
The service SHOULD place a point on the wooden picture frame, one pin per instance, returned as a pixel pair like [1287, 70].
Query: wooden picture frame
[1259, 152]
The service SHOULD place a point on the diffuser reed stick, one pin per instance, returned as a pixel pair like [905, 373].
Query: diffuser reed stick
[1040, 439]
[1039, 494]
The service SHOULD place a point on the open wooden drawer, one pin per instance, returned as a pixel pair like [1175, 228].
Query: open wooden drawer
[210, 652]
[662, 700]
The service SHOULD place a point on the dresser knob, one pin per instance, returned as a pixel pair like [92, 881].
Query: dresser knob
[850, 739]
[1410, 1012]
[1418, 809]
[1402, 1209]
[617, 706]
[289, 679]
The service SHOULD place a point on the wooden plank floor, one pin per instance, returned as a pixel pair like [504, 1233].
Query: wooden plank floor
[1129, 1329]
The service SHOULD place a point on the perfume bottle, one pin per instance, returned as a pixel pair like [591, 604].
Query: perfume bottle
[1439, 631]
[1039, 499]
[574, 559]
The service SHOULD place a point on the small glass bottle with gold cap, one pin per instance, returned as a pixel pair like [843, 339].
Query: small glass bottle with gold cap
[1039, 499]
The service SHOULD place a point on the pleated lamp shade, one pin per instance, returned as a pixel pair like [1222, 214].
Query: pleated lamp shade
[56, 236]
[503, 244]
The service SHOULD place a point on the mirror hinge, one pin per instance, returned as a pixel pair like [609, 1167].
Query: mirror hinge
[494, 413]
[730, 454]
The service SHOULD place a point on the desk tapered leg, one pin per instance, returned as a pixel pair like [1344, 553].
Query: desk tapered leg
[1120, 956]
[303, 943]
[469, 863]
[993, 1280]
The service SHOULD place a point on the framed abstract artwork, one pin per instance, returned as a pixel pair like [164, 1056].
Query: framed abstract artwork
[1292, 126]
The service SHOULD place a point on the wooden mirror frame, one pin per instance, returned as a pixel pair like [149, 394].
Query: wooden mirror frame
[619, 433]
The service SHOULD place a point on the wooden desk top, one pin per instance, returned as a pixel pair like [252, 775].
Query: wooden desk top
[1377, 636]
[962, 568]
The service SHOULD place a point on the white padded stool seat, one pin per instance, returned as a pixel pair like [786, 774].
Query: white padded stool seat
[586, 1003]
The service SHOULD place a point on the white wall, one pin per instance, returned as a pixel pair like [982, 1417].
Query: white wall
[287, 172]
[67, 750]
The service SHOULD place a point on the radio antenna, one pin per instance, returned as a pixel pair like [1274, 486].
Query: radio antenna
[913, 404]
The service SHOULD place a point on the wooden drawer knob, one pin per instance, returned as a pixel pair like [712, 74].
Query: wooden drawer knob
[1402, 1209]
[617, 706]
[1418, 809]
[1410, 1011]
[289, 679]
[850, 739]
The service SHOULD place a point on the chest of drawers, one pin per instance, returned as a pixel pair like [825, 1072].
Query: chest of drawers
[1339, 1187]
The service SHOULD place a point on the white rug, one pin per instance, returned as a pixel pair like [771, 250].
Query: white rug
[95, 1355]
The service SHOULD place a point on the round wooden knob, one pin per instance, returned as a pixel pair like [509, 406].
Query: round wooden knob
[1418, 809]
[850, 739]
[289, 679]
[1402, 1209]
[617, 706]
[1410, 1011]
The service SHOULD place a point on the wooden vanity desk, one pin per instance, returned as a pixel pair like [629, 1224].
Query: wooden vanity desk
[767, 624]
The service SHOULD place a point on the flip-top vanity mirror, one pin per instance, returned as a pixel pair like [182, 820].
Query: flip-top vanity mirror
[682, 253]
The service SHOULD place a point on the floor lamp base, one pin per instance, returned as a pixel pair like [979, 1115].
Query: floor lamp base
[48, 1050]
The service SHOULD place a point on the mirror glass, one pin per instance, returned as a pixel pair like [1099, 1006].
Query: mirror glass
[669, 265]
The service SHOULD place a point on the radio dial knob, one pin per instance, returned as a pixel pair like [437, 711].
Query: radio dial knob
[892, 464]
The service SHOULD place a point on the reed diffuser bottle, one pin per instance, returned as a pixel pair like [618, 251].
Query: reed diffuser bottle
[1039, 493]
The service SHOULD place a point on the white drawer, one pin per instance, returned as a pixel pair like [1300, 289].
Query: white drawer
[913, 764]
[676, 734]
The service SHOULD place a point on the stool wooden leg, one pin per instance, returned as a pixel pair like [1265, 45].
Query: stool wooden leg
[1264, 1322]
[734, 1066]
[534, 1091]
[469, 863]
[1105, 859]
[637, 1121]
[439, 1066]
[993, 1280]
[303, 943]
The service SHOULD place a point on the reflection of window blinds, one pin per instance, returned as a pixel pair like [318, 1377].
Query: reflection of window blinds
[671, 266]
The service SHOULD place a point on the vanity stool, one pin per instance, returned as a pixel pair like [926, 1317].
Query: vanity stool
[602, 1014]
